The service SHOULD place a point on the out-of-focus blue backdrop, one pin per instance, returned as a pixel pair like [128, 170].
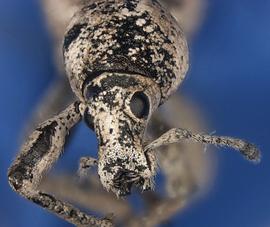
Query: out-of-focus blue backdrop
[229, 79]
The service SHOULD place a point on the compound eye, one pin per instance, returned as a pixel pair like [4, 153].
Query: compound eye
[90, 92]
[139, 105]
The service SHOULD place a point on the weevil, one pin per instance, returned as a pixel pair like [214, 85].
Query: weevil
[123, 59]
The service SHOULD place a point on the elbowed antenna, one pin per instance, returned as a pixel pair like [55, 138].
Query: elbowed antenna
[175, 135]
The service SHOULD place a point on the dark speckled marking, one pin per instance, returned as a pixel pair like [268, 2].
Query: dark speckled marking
[92, 91]
[110, 99]
[73, 34]
[77, 107]
[118, 80]
[126, 138]
[127, 30]
[39, 149]
[91, 7]
[131, 5]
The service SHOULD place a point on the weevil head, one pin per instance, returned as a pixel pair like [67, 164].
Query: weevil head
[118, 108]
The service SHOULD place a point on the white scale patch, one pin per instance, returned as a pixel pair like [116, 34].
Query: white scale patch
[140, 22]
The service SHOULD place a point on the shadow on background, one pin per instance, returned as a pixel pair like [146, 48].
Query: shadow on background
[229, 78]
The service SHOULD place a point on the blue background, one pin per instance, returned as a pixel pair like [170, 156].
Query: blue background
[229, 79]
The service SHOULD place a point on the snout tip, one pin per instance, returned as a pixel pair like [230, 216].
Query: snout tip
[125, 179]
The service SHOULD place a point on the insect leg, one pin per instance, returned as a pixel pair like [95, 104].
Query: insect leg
[90, 195]
[176, 135]
[37, 155]
[162, 212]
